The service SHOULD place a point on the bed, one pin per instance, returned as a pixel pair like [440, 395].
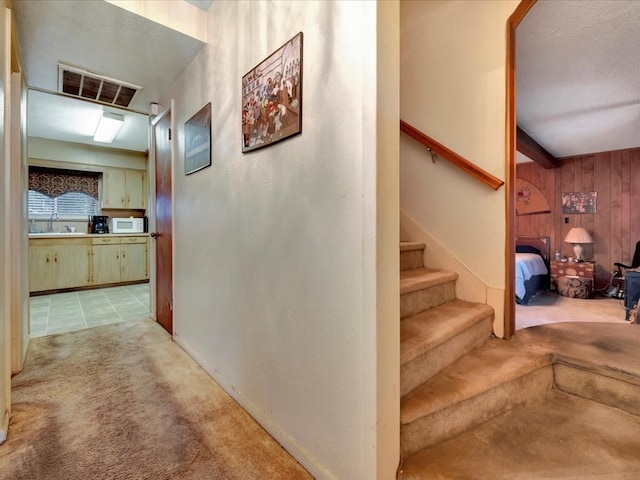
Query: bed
[532, 267]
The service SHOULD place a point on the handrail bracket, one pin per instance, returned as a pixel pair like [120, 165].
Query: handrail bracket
[438, 150]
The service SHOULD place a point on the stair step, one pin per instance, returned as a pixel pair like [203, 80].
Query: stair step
[486, 382]
[560, 437]
[433, 339]
[424, 288]
[411, 255]
[611, 387]
[598, 361]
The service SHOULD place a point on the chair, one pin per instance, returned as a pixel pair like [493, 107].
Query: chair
[622, 268]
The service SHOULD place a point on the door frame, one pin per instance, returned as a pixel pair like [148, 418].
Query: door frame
[510, 138]
[151, 213]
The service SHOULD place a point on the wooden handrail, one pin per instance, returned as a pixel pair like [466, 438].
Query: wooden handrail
[451, 156]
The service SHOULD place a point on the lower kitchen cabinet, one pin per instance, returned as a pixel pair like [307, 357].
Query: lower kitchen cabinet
[61, 263]
[41, 270]
[133, 261]
[119, 259]
[55, 264]
[105, 264]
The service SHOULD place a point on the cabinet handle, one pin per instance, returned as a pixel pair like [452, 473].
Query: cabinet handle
[47, 258]
[55, 258]
[123, 255]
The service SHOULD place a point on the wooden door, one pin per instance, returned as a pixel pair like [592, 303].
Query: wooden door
[163, 234]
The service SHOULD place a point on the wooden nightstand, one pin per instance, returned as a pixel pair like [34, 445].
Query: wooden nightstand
[562, 269]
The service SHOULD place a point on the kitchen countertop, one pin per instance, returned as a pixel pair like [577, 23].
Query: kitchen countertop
[84, 235]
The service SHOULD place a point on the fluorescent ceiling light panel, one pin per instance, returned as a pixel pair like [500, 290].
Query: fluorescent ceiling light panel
[108, 127]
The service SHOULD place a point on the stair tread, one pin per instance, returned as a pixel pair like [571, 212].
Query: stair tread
[488, 366]
[408, 246]
[426, 330]
[562, 436]
[421, 278]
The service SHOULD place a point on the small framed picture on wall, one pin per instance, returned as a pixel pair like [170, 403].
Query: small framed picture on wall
[579, 202]
[197, 141]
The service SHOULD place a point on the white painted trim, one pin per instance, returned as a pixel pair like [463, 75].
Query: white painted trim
[4, 426]
[5, 219]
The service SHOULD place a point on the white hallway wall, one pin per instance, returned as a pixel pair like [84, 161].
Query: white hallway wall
[452, 70]
[286, 259]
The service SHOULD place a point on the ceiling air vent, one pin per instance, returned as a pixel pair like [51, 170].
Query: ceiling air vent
[83, 84]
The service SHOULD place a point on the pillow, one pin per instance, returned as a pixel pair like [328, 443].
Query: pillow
[527, 249]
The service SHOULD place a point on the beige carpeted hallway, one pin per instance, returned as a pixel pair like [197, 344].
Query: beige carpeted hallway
[125, 402]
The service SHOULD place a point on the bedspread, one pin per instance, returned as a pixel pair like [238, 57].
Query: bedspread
[527, 265]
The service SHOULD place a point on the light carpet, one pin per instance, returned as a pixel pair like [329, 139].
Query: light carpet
[125, 402]
[549, 307]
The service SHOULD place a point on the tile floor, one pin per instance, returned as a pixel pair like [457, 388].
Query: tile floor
[66, 312]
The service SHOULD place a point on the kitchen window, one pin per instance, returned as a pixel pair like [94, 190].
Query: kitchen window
[68, 206]
[65, 194]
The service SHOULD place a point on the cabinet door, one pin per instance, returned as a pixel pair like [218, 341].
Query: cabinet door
[72, 264]
[135, 189]
[41, 269]
[106, 264]
[114, 188]
[134, 262]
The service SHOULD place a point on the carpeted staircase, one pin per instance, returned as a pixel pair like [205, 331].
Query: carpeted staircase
[444, 341]
[455, 377]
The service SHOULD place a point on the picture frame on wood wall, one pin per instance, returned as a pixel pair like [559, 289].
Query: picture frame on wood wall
[272, 97]
[197, 141]
[579, 202]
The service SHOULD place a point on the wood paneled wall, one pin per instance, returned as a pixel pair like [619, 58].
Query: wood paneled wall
[615, 226]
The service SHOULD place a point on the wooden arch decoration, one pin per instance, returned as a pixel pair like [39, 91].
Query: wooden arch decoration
[529, 199]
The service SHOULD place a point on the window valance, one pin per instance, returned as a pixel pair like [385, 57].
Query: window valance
[54, 182]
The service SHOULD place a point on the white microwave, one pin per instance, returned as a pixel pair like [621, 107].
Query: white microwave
[127, 225]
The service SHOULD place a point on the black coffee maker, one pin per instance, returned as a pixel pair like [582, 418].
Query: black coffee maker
[100, 224]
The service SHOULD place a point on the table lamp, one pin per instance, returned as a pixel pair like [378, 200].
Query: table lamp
[578, 236]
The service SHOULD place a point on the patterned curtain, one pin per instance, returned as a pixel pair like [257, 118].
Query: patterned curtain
[54, 182]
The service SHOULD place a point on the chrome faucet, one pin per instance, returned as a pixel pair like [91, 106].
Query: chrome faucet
[54, 216]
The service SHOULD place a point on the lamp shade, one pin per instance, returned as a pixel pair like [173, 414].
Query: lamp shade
[577, 236]
[108, 127]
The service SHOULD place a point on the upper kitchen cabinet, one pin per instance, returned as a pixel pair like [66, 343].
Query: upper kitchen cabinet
[124, 188]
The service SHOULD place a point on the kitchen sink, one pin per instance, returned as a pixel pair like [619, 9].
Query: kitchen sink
[57, 233]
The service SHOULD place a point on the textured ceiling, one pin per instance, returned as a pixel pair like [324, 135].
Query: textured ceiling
[578, 67]
[578, 75]
[101, 38]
